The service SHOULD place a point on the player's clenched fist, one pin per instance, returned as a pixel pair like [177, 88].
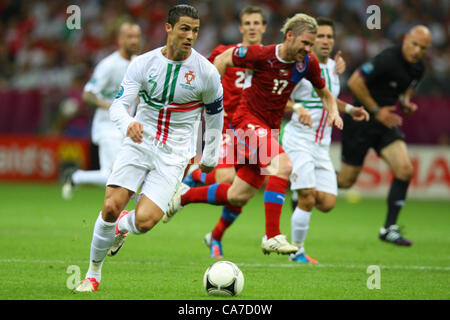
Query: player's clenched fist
[335, 119]
[135, 131]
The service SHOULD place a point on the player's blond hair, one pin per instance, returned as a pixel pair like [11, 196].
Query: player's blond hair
[299, 23]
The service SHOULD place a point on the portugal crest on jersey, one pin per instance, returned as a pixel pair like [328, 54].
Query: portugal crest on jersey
[189, 76]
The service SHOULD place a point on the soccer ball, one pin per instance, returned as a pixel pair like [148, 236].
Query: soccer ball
[223, 279]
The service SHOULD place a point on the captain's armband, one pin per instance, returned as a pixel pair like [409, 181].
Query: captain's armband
[215, 107]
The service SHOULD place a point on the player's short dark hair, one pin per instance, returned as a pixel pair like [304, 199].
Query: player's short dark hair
[181, 10]
[324, 21]
[253, 9]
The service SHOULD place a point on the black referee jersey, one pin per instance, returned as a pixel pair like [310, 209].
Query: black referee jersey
[388, 75]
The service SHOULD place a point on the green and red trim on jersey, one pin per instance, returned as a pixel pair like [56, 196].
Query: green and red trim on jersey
[162, 129]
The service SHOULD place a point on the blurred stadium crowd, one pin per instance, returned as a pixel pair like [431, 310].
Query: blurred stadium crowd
[39, 53]
[39, 50]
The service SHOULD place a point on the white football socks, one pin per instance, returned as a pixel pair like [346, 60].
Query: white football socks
[300, 225]
[102, 240]
[128, 223]
[97, 177]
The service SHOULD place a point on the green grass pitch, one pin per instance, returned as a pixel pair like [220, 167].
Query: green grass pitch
[41, 236]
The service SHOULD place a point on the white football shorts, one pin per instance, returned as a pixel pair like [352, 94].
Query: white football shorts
[150, 164]
[311, 166]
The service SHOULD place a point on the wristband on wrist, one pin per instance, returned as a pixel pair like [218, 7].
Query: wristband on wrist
[376, 109]
[348, 108]
[297, 106]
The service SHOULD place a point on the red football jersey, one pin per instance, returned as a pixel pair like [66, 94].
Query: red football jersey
[271, 84]
[232, 82]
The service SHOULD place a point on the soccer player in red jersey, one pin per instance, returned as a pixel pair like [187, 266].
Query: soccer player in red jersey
[253, 25]
[256, 122]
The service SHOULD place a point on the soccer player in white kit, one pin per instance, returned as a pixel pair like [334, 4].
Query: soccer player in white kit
[99, 92]
[313, 177]
[175, 84]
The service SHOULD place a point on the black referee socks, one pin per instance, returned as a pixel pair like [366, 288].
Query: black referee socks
[396, 200]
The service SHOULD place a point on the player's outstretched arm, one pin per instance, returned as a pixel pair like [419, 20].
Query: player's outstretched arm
[223, 61]
[358, 87]
[119, 115]
[213, 137]
[98, 82]
[213, 101]
[329, 103]
[357, 113]
[303, 115]
[127, 95]
[92, 99]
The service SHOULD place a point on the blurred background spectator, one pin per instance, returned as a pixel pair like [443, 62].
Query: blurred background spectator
[38, 51]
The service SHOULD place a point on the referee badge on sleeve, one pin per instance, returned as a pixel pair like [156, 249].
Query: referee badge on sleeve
[367, 67]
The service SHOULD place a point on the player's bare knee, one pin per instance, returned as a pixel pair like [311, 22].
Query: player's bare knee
[143, 227]
[239, 200]
[405, 172]
[306, 204]
[326, 205]
[238, 196]
[145, 224]
[111, 210]
[306, 200]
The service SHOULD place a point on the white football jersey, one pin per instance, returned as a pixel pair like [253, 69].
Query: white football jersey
[105, 83]
[305, 94]
[172, 96]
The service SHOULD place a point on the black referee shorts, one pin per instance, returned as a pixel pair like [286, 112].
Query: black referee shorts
[359, 136]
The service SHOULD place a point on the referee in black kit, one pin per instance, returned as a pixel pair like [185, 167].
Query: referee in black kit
[377, 85]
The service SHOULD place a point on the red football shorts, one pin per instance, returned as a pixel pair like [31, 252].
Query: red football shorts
[256, 145]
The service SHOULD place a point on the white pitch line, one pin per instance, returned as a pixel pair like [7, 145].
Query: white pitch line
[250, 265]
